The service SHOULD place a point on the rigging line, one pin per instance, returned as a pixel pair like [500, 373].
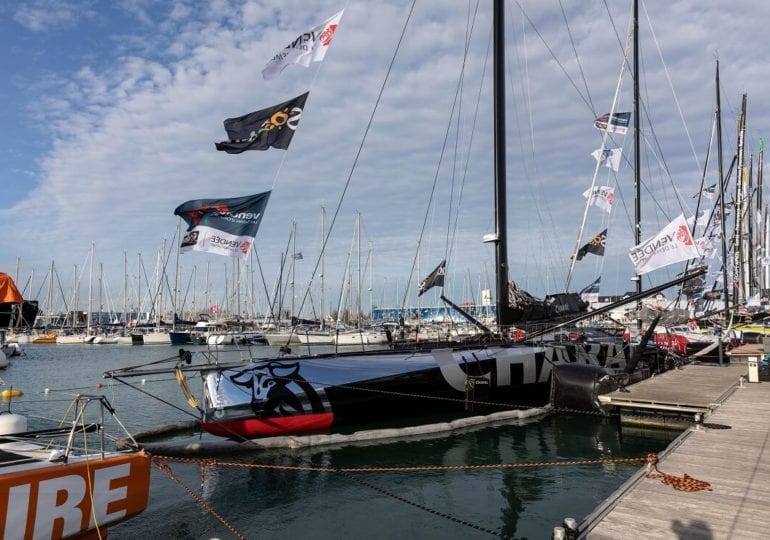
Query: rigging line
[450, 236]
[438, 169]
[604, 137]
[358, 152]
[613, 25]
[577, 58]
[264, 283]
[185, 411]
[468, 34]
[553, 55]
[285, 153]
[525, 89]
[671, 84]
[470, 143]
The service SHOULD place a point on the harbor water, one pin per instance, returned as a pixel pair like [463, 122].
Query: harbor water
[497, 497]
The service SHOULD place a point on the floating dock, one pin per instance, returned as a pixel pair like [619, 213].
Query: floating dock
[674, 398]
[729, 454]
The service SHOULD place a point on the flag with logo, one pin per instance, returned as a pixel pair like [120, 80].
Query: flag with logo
[595, 246]
[614, 123]
[434, 279]
[260, 130]
[591, 292]
[609, 156]
[674, 243]
[310, 46]
[222, 226]
[601, 196]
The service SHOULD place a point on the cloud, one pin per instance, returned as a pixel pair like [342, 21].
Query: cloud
[42, 15]
[132, 130]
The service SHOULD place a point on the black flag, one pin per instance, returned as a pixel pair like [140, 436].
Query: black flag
[260, 130]
[435, 279]
[595, 246]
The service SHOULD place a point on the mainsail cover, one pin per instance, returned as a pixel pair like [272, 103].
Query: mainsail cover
[222, 226]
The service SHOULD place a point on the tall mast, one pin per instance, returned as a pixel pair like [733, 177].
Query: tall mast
[637, 159]
[722, 224]
[739, 268]
[323, 251]
[501, 239]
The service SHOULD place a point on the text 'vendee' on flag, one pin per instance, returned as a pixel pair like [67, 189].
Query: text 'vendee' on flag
[222, 226]
[674, 243]
[434, 279]
[310, 46]
[601, 196]
[270, 127]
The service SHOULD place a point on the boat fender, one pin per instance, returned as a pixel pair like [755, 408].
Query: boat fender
[12, 423]
[57, 455]
[11, 393]
[577, 386]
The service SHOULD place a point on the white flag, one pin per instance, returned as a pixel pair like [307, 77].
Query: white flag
[308, 47]
[671, 245]
[706, 247]
[610, 156]
[601, 196]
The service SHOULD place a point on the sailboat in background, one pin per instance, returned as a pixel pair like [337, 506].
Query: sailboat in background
[16, 313]
[295, 394]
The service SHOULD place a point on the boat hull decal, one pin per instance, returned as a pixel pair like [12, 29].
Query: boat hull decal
[268, 427]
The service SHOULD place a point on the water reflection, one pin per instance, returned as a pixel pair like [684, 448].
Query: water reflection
[515, 502]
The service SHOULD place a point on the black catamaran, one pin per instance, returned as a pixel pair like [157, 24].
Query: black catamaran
[304, 394]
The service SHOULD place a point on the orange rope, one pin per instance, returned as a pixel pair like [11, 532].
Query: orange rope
[304, 468]
[680, 483]
[203, 504]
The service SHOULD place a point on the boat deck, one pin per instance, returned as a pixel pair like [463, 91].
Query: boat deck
[731, 452]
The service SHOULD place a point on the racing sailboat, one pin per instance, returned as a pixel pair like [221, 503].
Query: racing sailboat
[314, 393]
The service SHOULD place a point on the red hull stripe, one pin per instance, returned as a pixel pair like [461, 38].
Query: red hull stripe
[279, 425]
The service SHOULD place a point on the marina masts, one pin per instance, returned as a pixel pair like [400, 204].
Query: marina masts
[637, 159]
[722, 224]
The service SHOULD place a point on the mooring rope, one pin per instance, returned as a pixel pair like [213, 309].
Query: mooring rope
[680, 483]
[197, 498]
[415, 468]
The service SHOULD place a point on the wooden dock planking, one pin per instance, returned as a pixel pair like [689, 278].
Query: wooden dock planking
[735, 461]
[693, 388]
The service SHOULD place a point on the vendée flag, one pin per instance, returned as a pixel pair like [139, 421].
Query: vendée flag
[671, 245]
[273, 126]
[601, 196]
[310, 46]
[222, 226]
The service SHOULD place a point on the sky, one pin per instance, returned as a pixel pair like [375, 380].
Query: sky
[111, 110]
